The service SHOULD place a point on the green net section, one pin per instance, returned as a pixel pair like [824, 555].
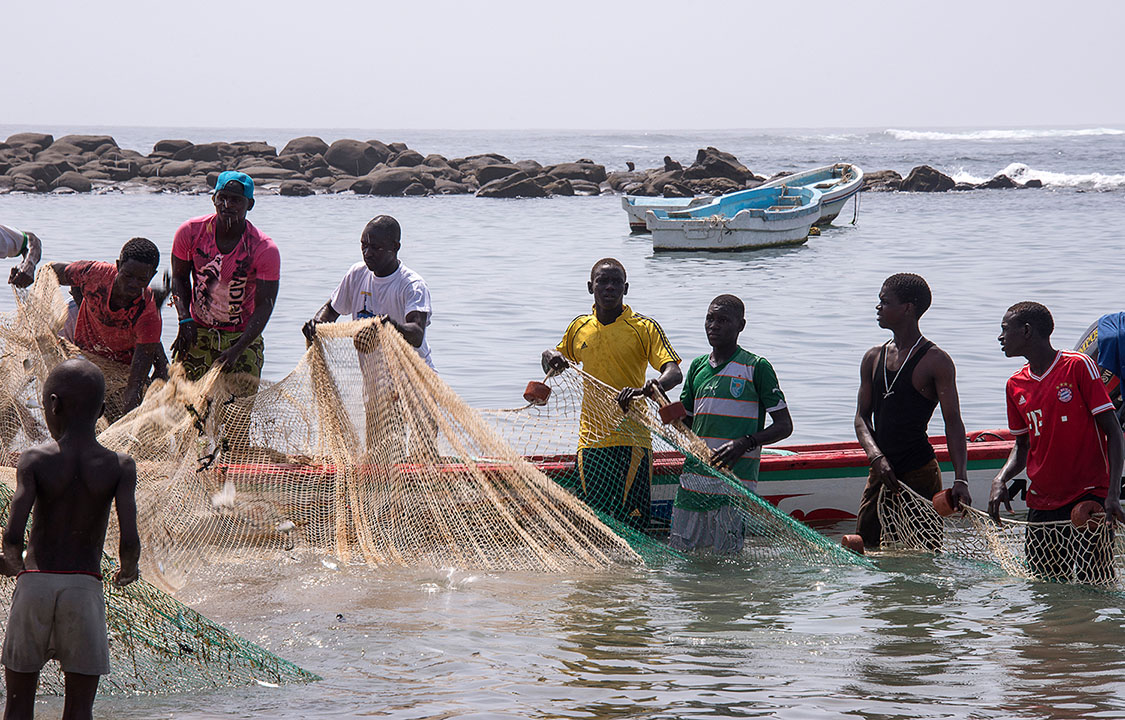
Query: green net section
[630, 465]
[1056, 551]
[159, 645]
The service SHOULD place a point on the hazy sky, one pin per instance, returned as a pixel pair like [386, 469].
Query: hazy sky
[639, 65]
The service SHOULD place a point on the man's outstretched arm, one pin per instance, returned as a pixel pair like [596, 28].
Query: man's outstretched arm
[414, 329]
[143, 355]
[23, 274]
[325, 314]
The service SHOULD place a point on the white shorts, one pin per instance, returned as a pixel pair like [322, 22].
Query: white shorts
[720, 531]
[60, 616]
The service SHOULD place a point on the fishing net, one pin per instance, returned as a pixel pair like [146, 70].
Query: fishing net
[159, 645]
[1092, 554]
[582, 410]
[361, 452]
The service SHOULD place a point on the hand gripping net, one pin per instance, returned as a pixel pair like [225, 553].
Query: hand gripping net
[159, 645]
[580, 407]
[1055, 551]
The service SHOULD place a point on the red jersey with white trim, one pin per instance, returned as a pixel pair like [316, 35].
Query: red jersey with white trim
[1067, 455]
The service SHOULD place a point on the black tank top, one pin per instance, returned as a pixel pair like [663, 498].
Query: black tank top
[901, 418]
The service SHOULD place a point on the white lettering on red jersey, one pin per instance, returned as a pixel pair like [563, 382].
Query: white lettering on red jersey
[1067, 455]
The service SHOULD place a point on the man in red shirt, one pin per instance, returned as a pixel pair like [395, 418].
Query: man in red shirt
[1067, 436]
[119, 318]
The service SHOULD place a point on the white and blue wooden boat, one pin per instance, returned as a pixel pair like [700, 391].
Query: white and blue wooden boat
[637, 205]
[837, 183]
[745, 220]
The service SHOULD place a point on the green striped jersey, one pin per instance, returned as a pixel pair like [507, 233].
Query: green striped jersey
[728, 402]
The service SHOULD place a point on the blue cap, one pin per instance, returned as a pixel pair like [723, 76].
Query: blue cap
[225, 178]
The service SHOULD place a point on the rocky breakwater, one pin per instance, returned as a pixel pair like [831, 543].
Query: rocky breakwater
[926, 179]
[40, 163]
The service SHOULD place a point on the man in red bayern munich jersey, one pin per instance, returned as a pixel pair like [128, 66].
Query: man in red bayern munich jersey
[1067, 436]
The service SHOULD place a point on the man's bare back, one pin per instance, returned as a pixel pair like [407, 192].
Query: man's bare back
[72, 488]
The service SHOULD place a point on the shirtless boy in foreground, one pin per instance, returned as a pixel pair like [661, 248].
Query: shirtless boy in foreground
[58, 607]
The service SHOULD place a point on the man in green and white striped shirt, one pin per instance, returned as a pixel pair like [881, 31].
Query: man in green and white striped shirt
[727, 394]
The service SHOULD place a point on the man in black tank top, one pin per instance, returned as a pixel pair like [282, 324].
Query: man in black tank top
[900, 384]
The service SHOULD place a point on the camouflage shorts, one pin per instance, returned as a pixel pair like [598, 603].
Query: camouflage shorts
[210, 343]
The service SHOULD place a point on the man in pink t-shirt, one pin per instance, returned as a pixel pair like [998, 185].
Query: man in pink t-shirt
[1068, 439]
[119, 317]
[225, 276]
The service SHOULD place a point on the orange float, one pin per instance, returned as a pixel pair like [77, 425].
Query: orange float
[853, 543]
[944, 503]
[672, 412]
[1087, 515]
[537, 393]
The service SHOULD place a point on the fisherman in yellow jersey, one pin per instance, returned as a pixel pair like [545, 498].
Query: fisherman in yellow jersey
[614, 344]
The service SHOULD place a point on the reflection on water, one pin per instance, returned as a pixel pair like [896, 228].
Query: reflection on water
[918, 638]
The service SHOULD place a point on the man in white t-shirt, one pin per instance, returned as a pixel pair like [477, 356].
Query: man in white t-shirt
[13, 243]
[381, 286]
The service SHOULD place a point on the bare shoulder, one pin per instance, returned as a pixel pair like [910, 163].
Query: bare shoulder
[127, 464]
[37, 455]
[938, 359]
[871, 356]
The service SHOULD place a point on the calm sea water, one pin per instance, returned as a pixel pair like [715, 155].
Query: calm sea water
[920, 638]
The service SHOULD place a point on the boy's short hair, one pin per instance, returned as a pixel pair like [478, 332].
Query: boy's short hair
[1034, 314]
[383, 227]
[910, 288]
[83, 384]
[142, 250]
[610, 262]
[732, 302]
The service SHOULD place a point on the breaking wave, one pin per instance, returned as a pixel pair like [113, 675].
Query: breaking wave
[1021, 173]
[1000, 134]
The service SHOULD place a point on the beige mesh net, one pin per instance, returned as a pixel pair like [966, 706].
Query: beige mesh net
[159, 645]
[1058, 551]
[361, 451]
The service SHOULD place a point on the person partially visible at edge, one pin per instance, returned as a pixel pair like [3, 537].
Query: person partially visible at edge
[727, 394]
[381, 286]
[614, 344]
[1067, 438]
[225, 275]
[58, 607]
[15, 242]
[119, 315]
[900, 384]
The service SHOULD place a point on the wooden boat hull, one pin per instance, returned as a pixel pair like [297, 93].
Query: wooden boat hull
[820, 483]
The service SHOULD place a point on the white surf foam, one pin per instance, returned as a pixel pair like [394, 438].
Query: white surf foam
[1021, 173]
[1000, 134]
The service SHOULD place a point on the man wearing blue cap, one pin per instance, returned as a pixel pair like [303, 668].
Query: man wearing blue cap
[225, 275]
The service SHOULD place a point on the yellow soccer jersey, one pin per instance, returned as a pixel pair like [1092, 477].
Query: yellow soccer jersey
[617, 355]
